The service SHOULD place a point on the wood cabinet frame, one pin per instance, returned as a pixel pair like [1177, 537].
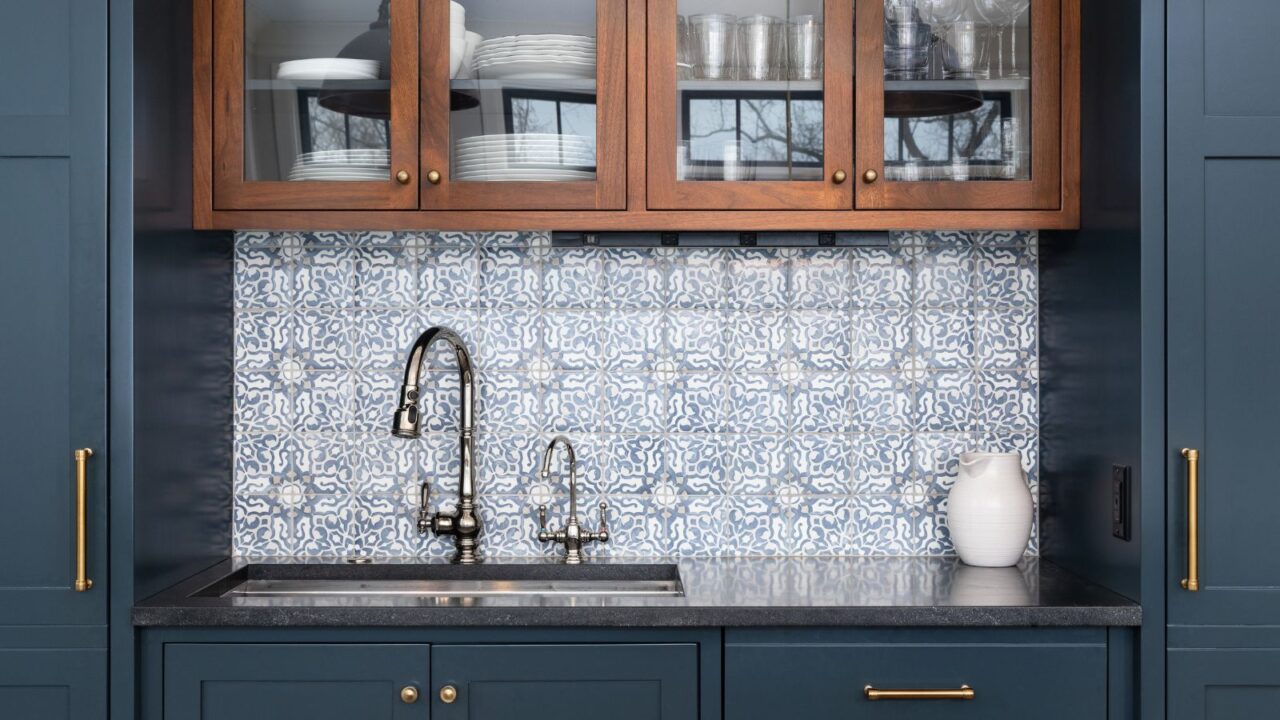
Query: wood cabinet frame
[1041, 192]
[607, 192]
[666, 192]
[996, 208]
[224, 28]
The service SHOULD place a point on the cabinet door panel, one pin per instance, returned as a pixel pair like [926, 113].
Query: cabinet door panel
[53, 684]
[52, 301]
[1219, 684]
[551, 682]
[1224, 333]
[294, 682]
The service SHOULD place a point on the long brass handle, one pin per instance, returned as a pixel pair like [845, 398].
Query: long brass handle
[964, 692]
[1192, 582]
[82, 456]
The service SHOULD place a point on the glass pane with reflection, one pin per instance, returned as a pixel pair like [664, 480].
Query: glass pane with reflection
[522, 90]
[317, 90]
[749, 90]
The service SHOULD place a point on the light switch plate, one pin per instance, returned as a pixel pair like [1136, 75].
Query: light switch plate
[1121, 489]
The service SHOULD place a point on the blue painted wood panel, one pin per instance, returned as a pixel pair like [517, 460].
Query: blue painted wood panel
[294, 682]
[52, 303]
[553, 682]
[64, 684]
[1223, 303]
[1217, 684]
[826, 679]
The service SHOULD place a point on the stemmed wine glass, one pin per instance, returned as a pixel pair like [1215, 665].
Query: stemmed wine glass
[944, 15]
[1004, 15]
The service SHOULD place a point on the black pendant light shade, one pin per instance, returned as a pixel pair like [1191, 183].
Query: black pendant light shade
[372, 44]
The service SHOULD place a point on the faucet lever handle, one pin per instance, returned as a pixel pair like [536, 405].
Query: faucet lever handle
[424, 507]
[543, 535]
[602, 535]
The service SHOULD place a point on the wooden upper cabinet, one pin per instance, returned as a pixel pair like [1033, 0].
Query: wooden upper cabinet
[733, 122]
[314, 104]
[531, 114]
[960, 104]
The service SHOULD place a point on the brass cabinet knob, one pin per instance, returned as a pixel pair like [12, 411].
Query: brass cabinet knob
[870, 176]
[448, 694]
[433, 177]
[403, 177]
[839, 176]
[409, 694]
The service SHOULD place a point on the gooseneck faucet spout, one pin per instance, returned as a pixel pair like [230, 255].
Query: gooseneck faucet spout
[464, 523]
[573, 537]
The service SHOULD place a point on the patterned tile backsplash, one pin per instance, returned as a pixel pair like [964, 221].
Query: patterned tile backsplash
[726, 402]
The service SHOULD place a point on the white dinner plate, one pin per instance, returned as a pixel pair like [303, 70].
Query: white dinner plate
[526, 176]
[329, 69]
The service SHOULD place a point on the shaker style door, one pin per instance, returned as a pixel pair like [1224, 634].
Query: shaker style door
[315, 104]
[1220, 684]
[52, 309]
[61, 684]
[750, 105]
[960, 103]
[524, 105]
[1223, 324]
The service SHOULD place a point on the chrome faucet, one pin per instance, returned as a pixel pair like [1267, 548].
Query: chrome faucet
[464, 523]
[573, 537]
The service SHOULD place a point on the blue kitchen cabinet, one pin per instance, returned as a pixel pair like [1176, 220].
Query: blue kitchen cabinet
[52, 308]
[296, 682]
[553, 682]
[1223, 684]
[927, 673]
[53, 684]
[1224, 312]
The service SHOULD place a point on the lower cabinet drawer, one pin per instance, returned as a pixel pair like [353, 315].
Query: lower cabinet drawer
[915, 674]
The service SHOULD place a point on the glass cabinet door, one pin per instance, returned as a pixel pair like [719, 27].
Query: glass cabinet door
[750, 104]
[524, 104]
[315, 104]
[959, 104]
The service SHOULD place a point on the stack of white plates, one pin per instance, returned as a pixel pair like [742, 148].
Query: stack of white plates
[524, 157]
[328, 69]
[536, 57]
[342, 165]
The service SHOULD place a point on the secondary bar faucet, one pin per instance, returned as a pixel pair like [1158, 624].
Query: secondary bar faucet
[464, 523]
[573, 537]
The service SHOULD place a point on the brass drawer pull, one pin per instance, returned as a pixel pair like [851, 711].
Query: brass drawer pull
[964, 692]
[1192, 581]
[82, 456]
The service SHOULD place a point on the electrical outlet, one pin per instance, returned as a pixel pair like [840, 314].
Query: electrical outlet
[1121, 500]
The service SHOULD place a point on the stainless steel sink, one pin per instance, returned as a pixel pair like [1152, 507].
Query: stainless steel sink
[455, 588]
[448, 581]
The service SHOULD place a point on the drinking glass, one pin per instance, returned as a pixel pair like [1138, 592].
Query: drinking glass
[962, 50]
[684, 53]
[760, 47]
[804, 46]
[1015, 9]
[712, 38]
[1001, 14]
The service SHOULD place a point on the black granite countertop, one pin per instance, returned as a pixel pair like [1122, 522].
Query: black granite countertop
[869, 591]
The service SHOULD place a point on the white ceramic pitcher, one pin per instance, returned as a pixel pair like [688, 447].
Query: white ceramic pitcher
[990, 509]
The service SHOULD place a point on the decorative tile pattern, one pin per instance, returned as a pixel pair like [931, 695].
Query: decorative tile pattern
[724, 402]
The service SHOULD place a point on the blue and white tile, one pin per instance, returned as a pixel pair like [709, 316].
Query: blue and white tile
[324, 403]
[944, 338]
[385, 277]
[882, 462]
[882, 402]
[697, 529]
[757, 280]
[1007, 275]
[756, 463]
[945, 401]
[757, 528]
[874, 529]
[509, 463]
[759, 404]
[573, 402]
[324, 339]
[944, 275]
[325, 278]
[880, 338]
[382, 338]
[510, 340]
[261, 278]
[1007, 338]
[448, 277]
[697, 279]
[573, 278]
[820, 279]
[699, 465]
[696, 403]
[631, 340]
[262, 403]
[511, 402]
[510, 278]
[635, 464]
[821, 403]
[694, 339]
[1008, 401]
[635, 279]
[753, 341]
[822, 526]
[573, 339]
[822, 464]
[262, 338]
[820, 339]
[937, 459]
[384, 463]
[881, 278]
[634, 403]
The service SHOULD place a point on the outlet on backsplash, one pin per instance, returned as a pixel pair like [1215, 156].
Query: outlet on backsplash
[723, 401]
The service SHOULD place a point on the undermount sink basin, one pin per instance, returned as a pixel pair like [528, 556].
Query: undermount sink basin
[448, 581]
